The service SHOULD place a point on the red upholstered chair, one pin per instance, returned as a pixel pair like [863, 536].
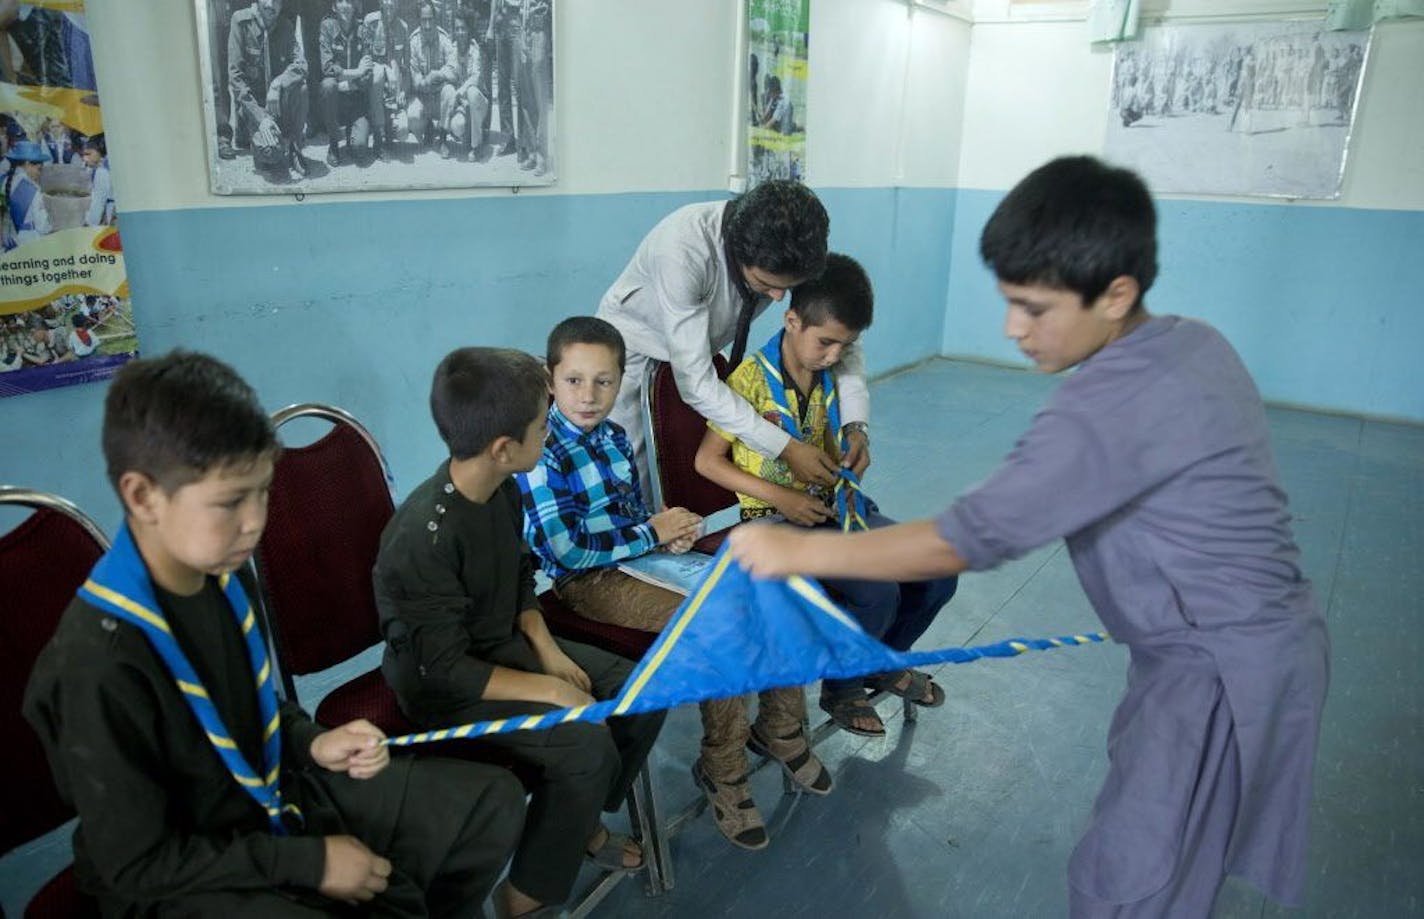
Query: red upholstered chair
[42, 563]
[329, 502]
[673, 432]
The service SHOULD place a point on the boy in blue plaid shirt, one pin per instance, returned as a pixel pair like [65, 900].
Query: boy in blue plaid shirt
[584, 513]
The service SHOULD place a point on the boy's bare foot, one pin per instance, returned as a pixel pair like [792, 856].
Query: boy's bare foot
[614, 851]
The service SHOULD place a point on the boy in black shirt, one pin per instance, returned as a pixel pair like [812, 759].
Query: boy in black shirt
[198, 790]
[466, 640]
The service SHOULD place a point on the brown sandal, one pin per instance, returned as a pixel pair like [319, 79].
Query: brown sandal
[733, 809]
[796, 759]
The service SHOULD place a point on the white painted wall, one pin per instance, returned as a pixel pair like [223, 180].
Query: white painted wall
[865, 58]
[645, 90]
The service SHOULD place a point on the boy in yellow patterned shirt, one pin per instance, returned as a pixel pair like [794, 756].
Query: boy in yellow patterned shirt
[791, 382]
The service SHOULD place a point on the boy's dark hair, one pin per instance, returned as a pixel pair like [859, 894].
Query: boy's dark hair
[175, 418]
[584, 330]
[1075, 223]
[780, 226]
[479, 394]
[95, 142]
[841, 292]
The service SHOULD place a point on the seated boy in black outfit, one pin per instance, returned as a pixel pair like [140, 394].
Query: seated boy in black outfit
[465, 638]
[198, 791]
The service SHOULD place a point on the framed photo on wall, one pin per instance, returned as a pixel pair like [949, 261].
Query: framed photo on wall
[1262, 108]
[310, 96]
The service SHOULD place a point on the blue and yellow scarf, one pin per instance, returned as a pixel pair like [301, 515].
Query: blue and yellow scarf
[120, 585]
[851, 508]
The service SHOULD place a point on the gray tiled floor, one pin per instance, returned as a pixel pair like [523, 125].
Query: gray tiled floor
[973, 811]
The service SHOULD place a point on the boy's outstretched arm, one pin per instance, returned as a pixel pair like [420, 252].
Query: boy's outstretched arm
[713, 463]
[903, 552]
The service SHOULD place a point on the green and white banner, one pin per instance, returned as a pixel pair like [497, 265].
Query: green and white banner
[778, 35]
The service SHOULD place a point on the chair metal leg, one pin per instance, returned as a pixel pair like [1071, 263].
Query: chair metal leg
[643, 812]
[643, 820]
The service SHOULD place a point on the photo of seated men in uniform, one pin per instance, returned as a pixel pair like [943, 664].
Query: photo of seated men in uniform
[348, 101]
[387, 39]
[432, 81]
[267, 75]
[469, 116]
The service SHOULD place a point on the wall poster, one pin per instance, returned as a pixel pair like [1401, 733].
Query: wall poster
[778, 36]
[65, 315]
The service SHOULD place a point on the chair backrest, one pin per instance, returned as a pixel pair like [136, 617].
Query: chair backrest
[329, 502]
[673, 431]
[43, 561]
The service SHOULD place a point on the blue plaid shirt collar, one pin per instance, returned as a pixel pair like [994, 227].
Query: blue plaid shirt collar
[568, 433]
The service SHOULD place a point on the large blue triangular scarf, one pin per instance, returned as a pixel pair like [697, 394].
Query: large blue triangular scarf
[736, 634]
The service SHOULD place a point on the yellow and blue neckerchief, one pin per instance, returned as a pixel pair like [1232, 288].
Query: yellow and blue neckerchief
[851, 509]
[120, 585]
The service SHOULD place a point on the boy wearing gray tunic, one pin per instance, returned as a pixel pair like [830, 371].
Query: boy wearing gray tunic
[1153, 461]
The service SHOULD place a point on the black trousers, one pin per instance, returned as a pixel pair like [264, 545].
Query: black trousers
[573, 771]
[447, 827]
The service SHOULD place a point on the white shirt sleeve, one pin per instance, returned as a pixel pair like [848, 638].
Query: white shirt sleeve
[854, 392]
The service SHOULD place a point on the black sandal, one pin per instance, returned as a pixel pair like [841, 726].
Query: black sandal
[921, 690]
[846, 707]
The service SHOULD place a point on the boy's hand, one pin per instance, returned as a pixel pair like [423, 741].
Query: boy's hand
[810, 464]
[564, 694]
[354, 748]
[800, 508]
[857, 458]
[766, 551]
[353, 873]
[674, 523]
[681, 545]
[558, 664]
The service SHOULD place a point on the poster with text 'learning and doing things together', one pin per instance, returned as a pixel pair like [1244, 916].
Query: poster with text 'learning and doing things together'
[65, 315]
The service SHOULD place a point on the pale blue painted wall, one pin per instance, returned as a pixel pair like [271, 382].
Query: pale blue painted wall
[1323, 303]
[354, 303]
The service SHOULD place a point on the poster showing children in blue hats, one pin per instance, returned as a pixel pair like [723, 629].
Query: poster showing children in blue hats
[65, 315]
